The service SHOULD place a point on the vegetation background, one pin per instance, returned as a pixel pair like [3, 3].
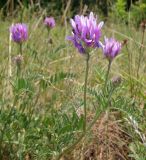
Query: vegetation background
[41, 110]
[119, 9]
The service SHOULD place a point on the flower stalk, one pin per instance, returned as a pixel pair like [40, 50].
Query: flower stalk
[111, 49]
[85, 91]
[107, 73]
[20, 45]
[18, 60]
[108, 110]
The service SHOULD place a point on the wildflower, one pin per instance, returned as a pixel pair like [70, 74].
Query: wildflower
[111, 48]
[77, 43]
[19, 32]
[49, 22]
[85, 32]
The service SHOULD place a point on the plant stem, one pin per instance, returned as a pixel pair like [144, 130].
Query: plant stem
[85, 91]
[20, 48]
[18, 70]
[130, 69]
[107, 74]
[139, 62]
[130, 62]
[107, 111]
[19, 63]
[140, 53]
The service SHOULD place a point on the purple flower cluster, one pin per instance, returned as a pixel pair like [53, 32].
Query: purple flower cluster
[111, 48]
[85, 32]
[19, 32]
[49, 22]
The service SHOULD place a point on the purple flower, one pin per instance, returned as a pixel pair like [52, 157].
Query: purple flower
[49, 22]
[77, 43]
[19, 32]
[111, 48]
[85, 32]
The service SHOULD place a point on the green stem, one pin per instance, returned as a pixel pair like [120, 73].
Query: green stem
[130, 69]
[20, 48]
[19, 64]
[107, 74]
[85, 91]
[107, 112]
[18, 70]
[139, 62]
[140, 53]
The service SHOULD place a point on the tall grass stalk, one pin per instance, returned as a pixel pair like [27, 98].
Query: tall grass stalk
[130, 68]
[10, 65]
[140, 52]
[10, 62]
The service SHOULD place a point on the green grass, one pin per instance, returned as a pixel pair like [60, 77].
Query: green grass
[39, 109]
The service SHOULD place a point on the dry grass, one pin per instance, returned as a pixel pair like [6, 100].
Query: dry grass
[106, 141]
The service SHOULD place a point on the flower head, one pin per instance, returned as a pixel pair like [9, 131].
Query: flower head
[111, 48]
[85, 32]
[19, 32]
[49, 22]
[77, 43]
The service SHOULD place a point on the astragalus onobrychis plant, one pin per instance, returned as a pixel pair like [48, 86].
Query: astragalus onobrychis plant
[48, 106]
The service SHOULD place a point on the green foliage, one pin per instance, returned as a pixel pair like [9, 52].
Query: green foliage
[138, 13]
[119, 12]
[38, 135]
[135, 15]
[138, 151]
